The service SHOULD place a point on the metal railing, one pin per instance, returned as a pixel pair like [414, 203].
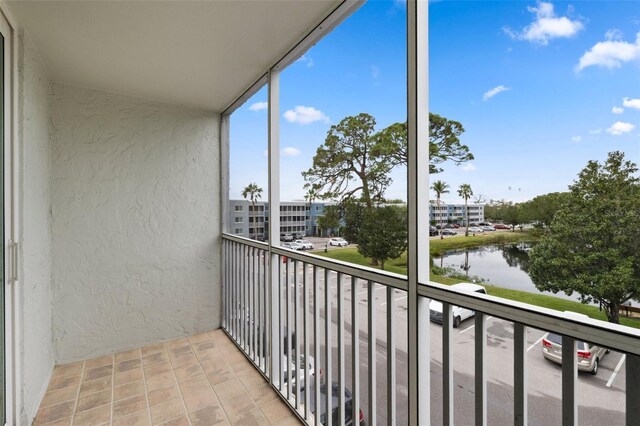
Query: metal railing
[283, 307]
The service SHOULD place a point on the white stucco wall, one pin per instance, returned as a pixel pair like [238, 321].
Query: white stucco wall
[136, 219]
[34, 290]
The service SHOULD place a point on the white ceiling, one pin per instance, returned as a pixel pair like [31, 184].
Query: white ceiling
[196, 54]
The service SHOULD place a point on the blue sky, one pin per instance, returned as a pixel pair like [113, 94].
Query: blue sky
[541, 88]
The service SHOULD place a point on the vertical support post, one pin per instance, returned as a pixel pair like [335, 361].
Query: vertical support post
[316, 337]
[327, 343]
[569, 378]
[371, 348]
[418, 333]
[355, 346]
[633, 391]
[341, 384]
[520, 374]
[481, 368]
[447, 365]
[274, 221]
[391, 357]
[224, 172]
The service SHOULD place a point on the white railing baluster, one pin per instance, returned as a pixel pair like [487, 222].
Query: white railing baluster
[371, 348]
[520, 393]
[297, 335]
[355, 347]
[316, 338]
[288, 325]
[447, 367]
[481, 369]
[391, 357]
[327, 346]
[305, 312]
[569, 378]
[341, 385]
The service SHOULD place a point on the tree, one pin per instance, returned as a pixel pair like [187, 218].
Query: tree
[310, 196]
[330, 219]
[544, 207]
[439, 187]
[384, 234]
[444, 143]
[465, 192]
[254, 193]
[345, 165]
[593, 245]
[353, 212]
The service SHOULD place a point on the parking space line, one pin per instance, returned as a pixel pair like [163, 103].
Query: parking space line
[617, 370]
[399, 298]
[535, 343]
[473, 325]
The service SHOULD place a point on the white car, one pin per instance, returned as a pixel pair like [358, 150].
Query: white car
[459, 313]
[475, 229]
[297, 370]
[306, 245]
[340, 242]
[292, 246]
[488, 228]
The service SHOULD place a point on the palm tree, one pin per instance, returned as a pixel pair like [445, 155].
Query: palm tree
[439, 187]
[310, 197]
[254, 193]
[466, 192]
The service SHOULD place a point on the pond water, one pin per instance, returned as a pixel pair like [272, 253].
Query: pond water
[499, 265]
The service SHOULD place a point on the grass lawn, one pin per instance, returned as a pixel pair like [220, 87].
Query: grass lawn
[399, 266]
[438, 247]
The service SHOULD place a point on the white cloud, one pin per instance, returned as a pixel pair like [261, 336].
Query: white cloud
[595, 131]
[375, 75]
[631, 103]
[546, 26]
[305, 60]
[259, 106]
[291, 152]
[491, 93]
[611, 53]
[576, 139]
[266, 153]
[305, 115]
[617, 110]
[469, 167]
[613, 34]
[620, 127]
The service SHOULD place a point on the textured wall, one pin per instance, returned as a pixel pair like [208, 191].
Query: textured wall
[36, 347]
[135, 196]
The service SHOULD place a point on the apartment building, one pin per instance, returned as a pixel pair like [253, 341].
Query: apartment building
[455, 213]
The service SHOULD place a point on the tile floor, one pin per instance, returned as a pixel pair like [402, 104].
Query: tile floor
[197, 380]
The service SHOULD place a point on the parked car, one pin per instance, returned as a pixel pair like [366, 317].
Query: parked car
[449, 232]
[286, 237]
[348, 403]
[455, 225]
[297, 368]
[306, 245]
[298, 235]
[501, 226]
[292, 246]
[589, 355]
[340, 242]
[485, 224]
[475, 229]
[488, 228]
[459, 313]
[433, 231]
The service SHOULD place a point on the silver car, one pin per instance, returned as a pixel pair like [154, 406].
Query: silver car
[589, 355]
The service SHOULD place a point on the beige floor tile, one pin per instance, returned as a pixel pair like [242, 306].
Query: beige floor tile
[275, 411]
[167, 411]
[154, 358]
[229, 388]
[176, 343]
[97, 373]
[60, 395]
[162, 395]
[186, 373]
[197, 384]
[234, 405]
[250, 418]
[213, 364]
[221, 375]
[183, 360]
[95, 416]
[72, 369]
[262, 394]
[127, 355]
[157, 368]
[179, 351]
[128, 365]
[210, 354]
[94, 400]
[161, 380]
[199, 338]
[290, 421]
[128, 390]
[129, 405]
[53, 413]
[203, 346]
[251, 378]
[197, 400]
[178, 421]
[95, 385]
[152, 349]
[63, 382]
[98, 362]
[208, 416]
[62, 422]
[122, 378]
[141, 418]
